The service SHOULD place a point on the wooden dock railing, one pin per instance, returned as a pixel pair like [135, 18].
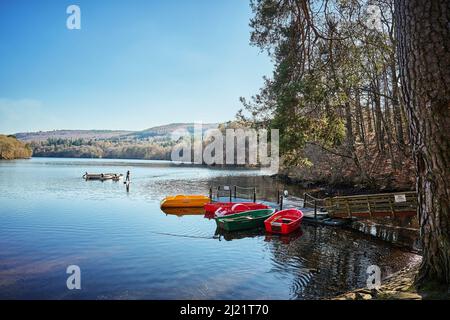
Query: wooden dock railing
[373, 205]
[313, 202]
[233, 192]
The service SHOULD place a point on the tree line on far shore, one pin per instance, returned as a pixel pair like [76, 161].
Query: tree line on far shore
[114, 149]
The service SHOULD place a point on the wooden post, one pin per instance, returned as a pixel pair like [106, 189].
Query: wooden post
[281, 202]
[230, 196]
[278, 196]
[254, 194]
[210, 194]
[349, 212]
[235, 192]
[392, 208]
[369, 206]
[304, 200]
[315, 209]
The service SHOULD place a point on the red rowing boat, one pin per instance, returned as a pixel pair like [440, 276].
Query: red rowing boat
[213, 207]
[238, 208]
[284, 221]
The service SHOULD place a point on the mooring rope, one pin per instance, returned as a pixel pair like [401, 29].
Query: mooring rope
[245, 188]
[183, 236]
[243, 194]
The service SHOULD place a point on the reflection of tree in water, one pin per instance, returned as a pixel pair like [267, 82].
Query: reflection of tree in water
[266, 187]
[402, 231]
[334, 259]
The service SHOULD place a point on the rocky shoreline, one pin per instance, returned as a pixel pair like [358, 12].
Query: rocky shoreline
[398, 286]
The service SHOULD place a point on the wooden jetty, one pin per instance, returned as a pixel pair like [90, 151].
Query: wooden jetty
[334, 210]
[373, 205]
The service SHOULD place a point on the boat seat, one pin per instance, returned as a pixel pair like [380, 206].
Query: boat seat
[276, 224]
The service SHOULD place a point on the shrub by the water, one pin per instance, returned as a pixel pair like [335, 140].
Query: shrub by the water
[11, 148]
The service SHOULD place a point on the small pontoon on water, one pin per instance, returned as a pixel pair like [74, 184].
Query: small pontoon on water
[102, 176]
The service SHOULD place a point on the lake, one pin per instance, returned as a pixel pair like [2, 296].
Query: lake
[127, 248]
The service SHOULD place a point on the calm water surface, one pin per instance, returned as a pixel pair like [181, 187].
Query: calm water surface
[127, 248]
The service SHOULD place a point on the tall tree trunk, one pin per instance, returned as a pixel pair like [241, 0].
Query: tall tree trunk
[361, 125]
[350, 139]
[379, 132]
[387, 121]
[423, 35]
[368, 114]
[396, 106]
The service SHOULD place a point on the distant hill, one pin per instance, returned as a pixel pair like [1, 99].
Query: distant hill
[69, 134]
[159, 131]
[166, 130]
[154, 143]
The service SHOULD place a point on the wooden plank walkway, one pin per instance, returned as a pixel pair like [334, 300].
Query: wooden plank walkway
[373, 205]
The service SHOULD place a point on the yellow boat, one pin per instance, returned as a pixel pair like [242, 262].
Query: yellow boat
[184, 201]
[184, 211]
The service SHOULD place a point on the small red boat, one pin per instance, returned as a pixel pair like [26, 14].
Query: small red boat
[213, 207]
[239, 207]
[284, 221]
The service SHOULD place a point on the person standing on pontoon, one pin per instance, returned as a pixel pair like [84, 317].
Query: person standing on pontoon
[127, 179]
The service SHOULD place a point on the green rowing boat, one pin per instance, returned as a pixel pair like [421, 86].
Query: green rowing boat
[244, 220]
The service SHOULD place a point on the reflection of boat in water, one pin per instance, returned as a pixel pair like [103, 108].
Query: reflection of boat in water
[235, 235]
[103, 176]
[183, 211]
[185, 201]
[284, 238]
[210, 215]
[253, 233]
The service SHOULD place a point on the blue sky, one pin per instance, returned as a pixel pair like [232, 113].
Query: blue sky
[133, 64]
